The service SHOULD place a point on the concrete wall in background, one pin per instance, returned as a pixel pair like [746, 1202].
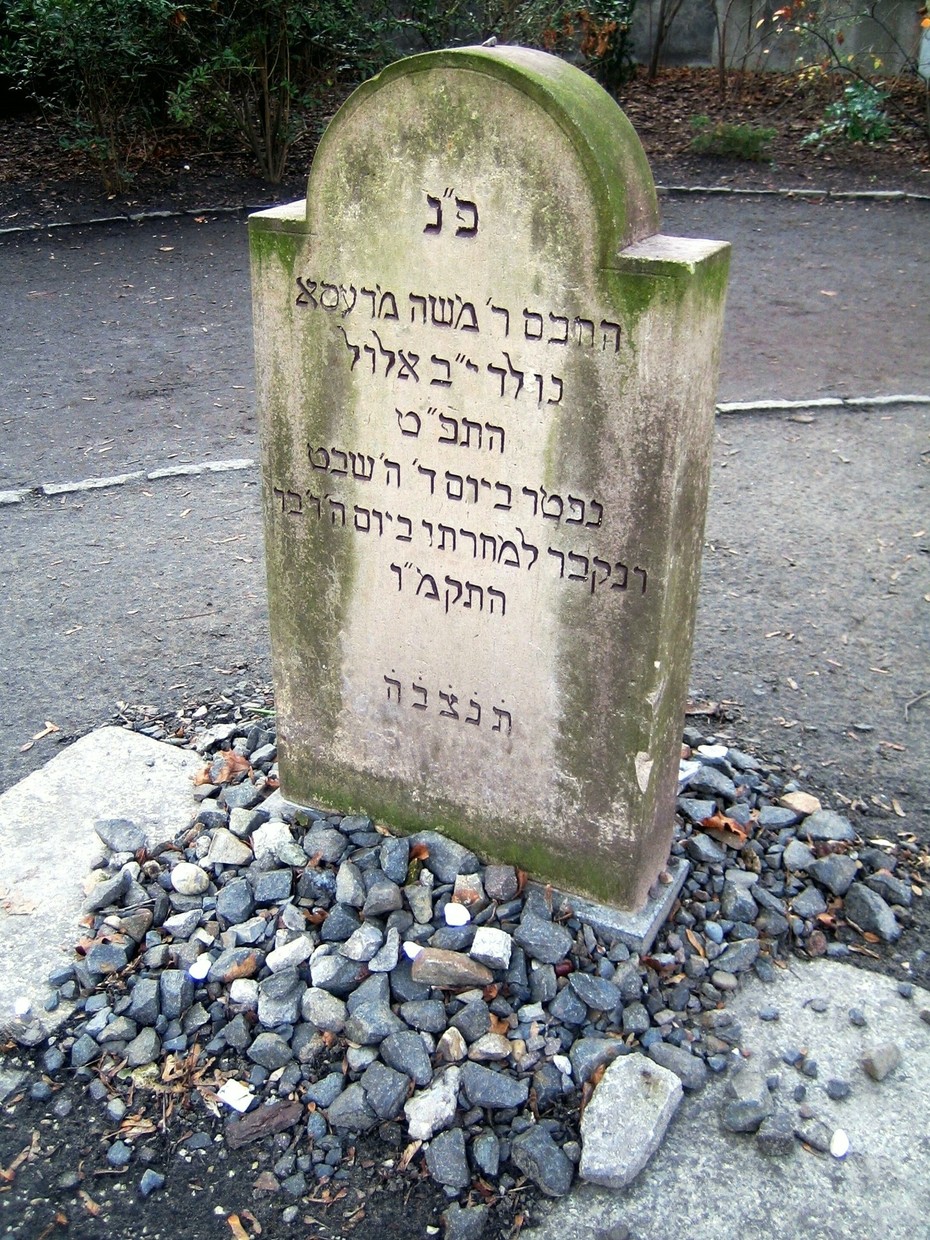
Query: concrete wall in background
[750, 41]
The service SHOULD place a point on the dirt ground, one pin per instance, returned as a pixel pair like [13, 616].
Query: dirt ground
[128, 346]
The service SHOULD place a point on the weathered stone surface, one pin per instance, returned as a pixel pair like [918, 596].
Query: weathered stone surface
[447, 714]
[748, 1100]
[491, 947]
[433, 1109]
[487, 1088]
[226, 849]
[323, 1010]
[835, 872]
[352, 1111]
[689, 1069]
[589, 1054]
[538, 1156]
[385, 1089]
[120, 834]
[646, 1095]
[881, 1060]
[866, 909]
[111, 773]
[270, 1051]
[543, 940]
[436, 967]
[189, 879]
[826, 824]
[371, 1023]
[405, 1052]
[446, 1159]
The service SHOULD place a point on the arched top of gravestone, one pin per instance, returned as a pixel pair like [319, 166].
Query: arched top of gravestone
[488, 102]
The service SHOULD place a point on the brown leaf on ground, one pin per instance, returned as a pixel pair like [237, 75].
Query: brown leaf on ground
[404, 1160]
[725, 830]
[92, 1207]
[238, 1231]
[227, 766]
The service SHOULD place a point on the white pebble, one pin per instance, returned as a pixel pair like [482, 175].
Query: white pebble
[839, 1144]
[189, 879]
[200, 968]
[564, 1064]
[712, 751]
[457, 915]
[412, 950]
[22, 1006]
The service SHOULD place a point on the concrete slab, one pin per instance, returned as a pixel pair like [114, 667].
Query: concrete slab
[48, 843]
[709, 1184]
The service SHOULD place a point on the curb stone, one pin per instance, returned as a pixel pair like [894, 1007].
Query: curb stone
[144, 217]
[49, 490]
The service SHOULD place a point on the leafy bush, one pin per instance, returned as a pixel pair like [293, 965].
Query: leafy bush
[105, 66]
[730, 141]
[598, 35]
[858, 117]
[259, 64]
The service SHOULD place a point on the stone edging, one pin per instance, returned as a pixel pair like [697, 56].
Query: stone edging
[49, 490]
[142, 217]
[865, 195]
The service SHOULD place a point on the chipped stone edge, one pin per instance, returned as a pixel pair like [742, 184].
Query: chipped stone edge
[636, 929]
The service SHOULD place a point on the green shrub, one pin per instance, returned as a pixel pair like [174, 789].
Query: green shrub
[258, 66]
[858, 117]
[105, 66]
[730, 141]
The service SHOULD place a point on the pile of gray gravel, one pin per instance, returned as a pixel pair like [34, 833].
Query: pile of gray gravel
[353, 982]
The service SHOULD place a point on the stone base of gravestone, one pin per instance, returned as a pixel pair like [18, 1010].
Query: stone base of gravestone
[486, 385]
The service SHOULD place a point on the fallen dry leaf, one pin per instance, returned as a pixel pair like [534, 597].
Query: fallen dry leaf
[404, 1161]
[227, 766]
[238, 1231]
[92, 1207]
[725, 830]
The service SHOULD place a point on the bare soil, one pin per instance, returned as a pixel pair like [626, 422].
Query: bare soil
[43, 181]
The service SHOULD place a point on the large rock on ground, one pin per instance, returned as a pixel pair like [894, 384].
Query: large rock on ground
[625, 1121]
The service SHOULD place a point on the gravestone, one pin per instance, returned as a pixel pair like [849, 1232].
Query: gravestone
[486, 386]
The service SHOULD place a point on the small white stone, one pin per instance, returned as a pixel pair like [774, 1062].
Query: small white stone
[189, 879]
[714, 752]
[432, 1109]
[22, 1006]
[290, 955]
[244, 992]
[200, 968]
[839, 1144]
[412, 950]
[235, 1095]
[564, 1064]
[457, 914]
[492, 947]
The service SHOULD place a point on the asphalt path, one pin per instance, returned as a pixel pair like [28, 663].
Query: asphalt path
[128, 347]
